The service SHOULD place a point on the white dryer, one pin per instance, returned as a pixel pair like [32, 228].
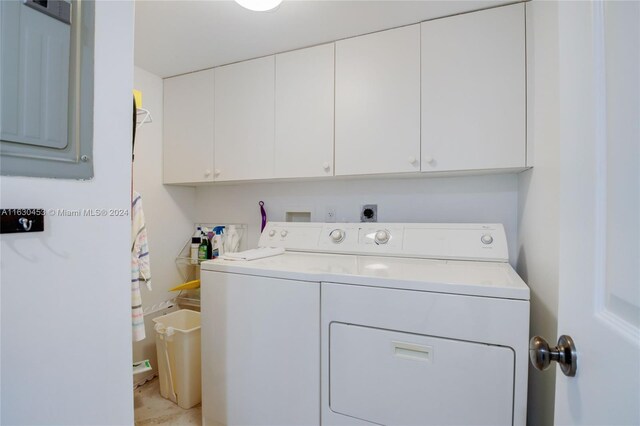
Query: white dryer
[359, 324]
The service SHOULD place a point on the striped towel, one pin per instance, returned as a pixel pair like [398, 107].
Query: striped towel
[140, 266]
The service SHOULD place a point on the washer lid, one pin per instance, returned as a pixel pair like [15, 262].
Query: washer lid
[488, 279]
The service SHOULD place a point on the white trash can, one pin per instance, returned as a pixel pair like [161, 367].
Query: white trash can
[178, 347]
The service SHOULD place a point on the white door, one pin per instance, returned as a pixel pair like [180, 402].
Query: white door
[378, 103]
[188, 128]
[304, 112]
[599, 300]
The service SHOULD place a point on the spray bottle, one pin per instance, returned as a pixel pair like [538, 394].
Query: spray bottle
[218, 241]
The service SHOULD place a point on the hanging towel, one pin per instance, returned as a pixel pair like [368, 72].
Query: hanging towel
[140, 266]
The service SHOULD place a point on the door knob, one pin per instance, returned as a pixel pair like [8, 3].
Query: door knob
[565, 354]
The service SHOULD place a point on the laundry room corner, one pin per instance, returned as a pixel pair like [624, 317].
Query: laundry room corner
[319, 213]
[168, 212]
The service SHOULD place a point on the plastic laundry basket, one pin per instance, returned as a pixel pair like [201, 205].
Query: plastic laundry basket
[178, 346]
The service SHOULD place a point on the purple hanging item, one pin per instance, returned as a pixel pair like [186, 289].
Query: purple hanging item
[264, 216]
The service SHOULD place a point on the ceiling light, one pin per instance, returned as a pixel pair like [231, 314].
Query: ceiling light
[259, 5]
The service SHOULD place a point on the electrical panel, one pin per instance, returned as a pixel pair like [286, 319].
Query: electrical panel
[46, 80]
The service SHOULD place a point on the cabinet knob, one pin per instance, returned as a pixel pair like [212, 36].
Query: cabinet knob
[412, 160]
[216, 172]
[429, 160]
[207, 172]
[326, 166]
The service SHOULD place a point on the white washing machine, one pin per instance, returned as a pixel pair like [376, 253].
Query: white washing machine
[360, 324]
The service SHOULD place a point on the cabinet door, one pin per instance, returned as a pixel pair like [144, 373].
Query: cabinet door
[378, 103]
[188, 128]
[304, 112]
[244, 127]
[473, 91]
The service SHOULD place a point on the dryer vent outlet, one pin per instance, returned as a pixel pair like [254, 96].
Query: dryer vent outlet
[369, 213]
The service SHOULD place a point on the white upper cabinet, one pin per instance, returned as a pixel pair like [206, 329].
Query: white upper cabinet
[445, 95]
[188, 128]
[473, 91]
[244, 125]
[377, 124]
[304, 112]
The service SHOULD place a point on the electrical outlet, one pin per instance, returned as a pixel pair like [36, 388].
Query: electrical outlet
[330, 215]
[369, 213]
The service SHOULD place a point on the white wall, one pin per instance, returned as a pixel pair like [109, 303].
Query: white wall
[538, 209]
[167, 210]
[66, 298]
[490, 198]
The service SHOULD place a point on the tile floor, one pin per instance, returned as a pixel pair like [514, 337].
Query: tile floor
[152, 409]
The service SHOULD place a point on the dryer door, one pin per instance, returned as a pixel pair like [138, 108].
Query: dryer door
[394, 378]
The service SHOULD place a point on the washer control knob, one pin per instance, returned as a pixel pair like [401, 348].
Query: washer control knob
[486, 239]
[283, 233]
[272, 233]
[337, 235]
[382, 236]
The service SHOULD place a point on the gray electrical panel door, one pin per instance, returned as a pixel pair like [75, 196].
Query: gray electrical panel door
[46, 88]
[35, 77]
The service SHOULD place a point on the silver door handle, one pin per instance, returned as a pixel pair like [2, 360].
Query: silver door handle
[564, 354]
